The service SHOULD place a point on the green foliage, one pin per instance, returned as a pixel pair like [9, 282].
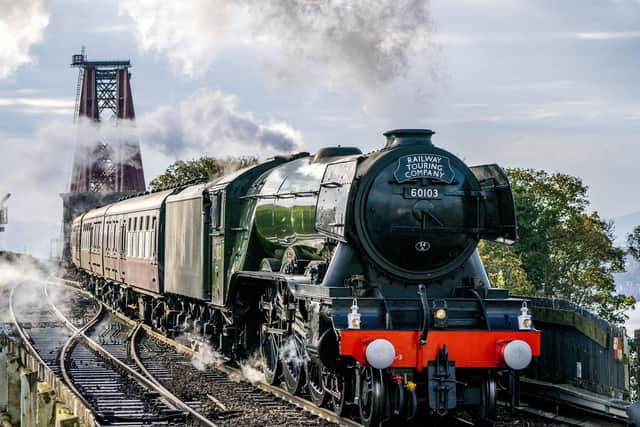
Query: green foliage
[634, 367]
[182, 172]
[633, 242]
[562, 251]
[504, 268]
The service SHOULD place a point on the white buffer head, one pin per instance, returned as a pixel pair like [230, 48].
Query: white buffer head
[380, 353]
[517, 354]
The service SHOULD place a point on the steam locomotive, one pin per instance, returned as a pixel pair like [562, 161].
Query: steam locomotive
[354, 277]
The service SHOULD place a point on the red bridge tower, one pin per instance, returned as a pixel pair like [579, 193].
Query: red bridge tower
[99, 166]
[103, 171]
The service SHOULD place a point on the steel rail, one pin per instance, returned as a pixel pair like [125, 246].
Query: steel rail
[149, 383]
[31, 349]
[297, 401]
[134, 355]
[69, 344]
[584, 405]
[591, 421]
[325, 413]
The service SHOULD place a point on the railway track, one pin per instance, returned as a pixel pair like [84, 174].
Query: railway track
[216, 393]
[125, 370]
[571, 405]
[40, 327]
[178, 361]
[221, 390]
[116, 393]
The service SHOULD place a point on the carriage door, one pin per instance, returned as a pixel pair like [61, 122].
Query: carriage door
[217, 247]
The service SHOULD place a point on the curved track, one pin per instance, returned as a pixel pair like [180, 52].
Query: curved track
[221, 390]
[116, 393]
[217, 392]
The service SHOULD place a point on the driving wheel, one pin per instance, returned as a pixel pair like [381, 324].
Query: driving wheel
[371, 402]
[292, 357]
[489, 397]
[316, 380]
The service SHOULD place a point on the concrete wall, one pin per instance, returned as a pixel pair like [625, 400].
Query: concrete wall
[31, 395]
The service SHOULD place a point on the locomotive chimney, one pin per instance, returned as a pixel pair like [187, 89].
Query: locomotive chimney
[408, 136]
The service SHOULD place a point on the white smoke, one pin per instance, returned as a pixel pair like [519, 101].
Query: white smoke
[366, 42]
[209, 123]
[37, 169]
[251, 370]
[290, 353]
[20, 269]
[205, 356]
[27, 273]
[188, 31]
[22, 25]
[54, 143]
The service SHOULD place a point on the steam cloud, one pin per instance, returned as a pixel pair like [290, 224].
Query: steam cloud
[251, 370]
[208, 122]
[22, 25]
[205, 356]
[368, 42]
[24, 272]
[37, 169]
[53, 145]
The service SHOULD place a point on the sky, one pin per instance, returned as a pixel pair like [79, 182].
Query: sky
[550, 85]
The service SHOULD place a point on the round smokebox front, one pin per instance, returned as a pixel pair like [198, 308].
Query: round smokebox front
[419, 212]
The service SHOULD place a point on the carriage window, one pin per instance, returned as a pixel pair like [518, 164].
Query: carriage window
[146, 223]
[129, 224]
[141, 242]
[122, 237]
[129, 244]
[114, 238]
[134, 245]
[153, 237]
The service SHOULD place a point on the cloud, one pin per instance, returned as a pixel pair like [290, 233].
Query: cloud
[367, 42]
[35, 105]
[22, 25]
[37, 167]
[40, 166]
[609, 35]
[189, 32]
[209, 123]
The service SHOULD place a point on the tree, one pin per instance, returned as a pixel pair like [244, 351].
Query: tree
[633, 242]
[504, 268]
[181, 172]
[563, 251]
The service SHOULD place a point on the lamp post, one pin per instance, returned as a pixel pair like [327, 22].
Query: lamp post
[4, 218]
[3, 211]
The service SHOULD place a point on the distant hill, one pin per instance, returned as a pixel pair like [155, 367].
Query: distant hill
[624, 225]
[628, 283]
